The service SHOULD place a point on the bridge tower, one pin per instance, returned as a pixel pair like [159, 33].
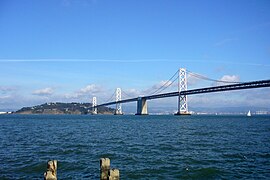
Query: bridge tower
[182, 99]
[118, 109]
[94, 103]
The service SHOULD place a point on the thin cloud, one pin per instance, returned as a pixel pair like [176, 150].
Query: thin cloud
[132, 61]
[227, 78]
[84, 3]
[7, 89]
[89, 90]
[96, 60]
[43, 92]
[225, 41]
[254, 27]
[3, 97]
[230, 78]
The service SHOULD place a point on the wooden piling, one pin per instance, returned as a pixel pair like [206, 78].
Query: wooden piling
[51, 173]
[114, 174]
[105, 172]
[104, 168]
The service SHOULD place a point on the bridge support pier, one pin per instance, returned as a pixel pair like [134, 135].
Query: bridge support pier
[141, 106]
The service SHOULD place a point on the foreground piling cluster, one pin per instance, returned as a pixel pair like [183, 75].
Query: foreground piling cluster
[106, 173]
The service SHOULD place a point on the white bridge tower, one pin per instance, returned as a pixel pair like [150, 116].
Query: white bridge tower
[118, 109]
[182, 99]
[94, 103]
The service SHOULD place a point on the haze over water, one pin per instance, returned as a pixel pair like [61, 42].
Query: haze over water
[142, 147]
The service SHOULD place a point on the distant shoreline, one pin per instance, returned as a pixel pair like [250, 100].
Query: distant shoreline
[63, 108]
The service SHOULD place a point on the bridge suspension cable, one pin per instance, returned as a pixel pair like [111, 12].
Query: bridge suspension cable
[209, 79]
[167, 83]
[126, 94]
[111, 98]
[165, 87]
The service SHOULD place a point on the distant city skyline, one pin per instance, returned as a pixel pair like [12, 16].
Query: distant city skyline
[70, 51]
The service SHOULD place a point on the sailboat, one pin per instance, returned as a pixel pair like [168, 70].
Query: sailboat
[249, 114]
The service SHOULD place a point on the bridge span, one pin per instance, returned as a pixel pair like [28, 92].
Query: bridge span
[182, 105]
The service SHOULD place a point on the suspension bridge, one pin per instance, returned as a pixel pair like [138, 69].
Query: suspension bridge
[182, 93]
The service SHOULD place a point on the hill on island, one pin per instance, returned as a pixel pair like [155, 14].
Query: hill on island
[64, 108]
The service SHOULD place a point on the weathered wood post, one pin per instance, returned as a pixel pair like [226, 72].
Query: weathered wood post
[104, 168]
[51, 173]
[114, 174]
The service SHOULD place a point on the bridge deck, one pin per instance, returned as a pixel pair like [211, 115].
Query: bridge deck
[247, 85]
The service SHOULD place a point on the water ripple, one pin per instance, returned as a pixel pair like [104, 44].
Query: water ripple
[148, 147]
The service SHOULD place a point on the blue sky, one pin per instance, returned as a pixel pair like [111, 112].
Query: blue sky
[71, 50]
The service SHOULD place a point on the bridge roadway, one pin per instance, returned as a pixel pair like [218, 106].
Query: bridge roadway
[239, 86]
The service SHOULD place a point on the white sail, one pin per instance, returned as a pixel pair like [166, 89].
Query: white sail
[248, 114]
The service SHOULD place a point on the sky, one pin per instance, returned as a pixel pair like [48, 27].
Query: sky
[72, 50]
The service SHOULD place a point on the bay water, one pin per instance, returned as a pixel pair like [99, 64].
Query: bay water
[141, 147]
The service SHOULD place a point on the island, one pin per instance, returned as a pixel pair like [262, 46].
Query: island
[64, 108]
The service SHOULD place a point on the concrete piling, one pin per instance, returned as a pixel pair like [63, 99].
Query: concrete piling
[51, 173]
